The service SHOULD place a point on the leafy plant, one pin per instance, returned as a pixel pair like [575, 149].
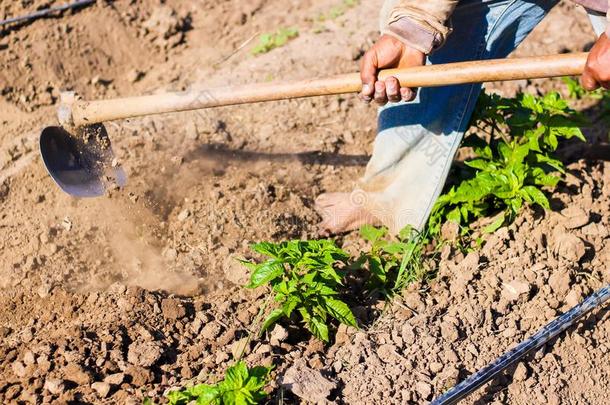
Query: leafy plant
[514, 160]
[304, 276]
[269, 41]
[241, 385]
[576, 91]
[393, 263]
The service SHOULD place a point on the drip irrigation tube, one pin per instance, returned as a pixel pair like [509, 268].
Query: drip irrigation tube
[47, 11]
[509, 358]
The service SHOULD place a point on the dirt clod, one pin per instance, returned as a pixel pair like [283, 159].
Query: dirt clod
[55, 386]
[569, 247]
[102, 388]
[144, 354]
[307, 384]
[173, 309]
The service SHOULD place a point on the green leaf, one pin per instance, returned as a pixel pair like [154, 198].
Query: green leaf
[496, 224]
[554, 163]
[266, 272]
[537, 196]
[178, 397]
[371, 233]
[395, 247]
[236, 376]
[291, 303]
[552, 141]
[480, 164]
[271, 319]
[207, 395]
[454, 215]
[504, 150]
[340, 311]
[267, 249]
[318, 328]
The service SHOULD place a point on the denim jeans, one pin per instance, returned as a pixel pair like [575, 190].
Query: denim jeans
[417, 141]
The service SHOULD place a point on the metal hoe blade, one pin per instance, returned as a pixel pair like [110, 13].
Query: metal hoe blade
[81, 164]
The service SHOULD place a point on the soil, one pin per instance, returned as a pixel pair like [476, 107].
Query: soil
[110, 300]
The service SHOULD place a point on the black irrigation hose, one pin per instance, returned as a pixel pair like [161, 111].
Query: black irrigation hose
[47, 11]
[509, 358]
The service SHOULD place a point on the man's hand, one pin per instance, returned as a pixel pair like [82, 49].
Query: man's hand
[597, 69]
[387, 53]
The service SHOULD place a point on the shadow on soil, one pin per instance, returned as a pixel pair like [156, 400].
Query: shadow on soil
[222, 153]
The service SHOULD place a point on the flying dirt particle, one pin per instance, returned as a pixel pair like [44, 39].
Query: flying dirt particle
[184, 214]
[66, 224]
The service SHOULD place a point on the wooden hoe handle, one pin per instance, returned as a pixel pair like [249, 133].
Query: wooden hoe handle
[89, 112]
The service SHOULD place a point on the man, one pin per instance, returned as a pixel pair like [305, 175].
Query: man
[419, 132]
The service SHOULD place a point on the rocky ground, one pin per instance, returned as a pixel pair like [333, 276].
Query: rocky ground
[114, 299]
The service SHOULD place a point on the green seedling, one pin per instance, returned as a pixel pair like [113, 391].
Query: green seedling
[514, 148]
[241, 386]
[269, 41]
[338, 10]
[393, 263]
[305, 276]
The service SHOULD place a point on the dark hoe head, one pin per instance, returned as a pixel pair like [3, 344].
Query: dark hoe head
[81, 164]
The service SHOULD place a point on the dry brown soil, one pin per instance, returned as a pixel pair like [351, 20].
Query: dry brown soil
[113, 299]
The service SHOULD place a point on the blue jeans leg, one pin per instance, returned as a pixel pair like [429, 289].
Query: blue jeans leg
[416, 141]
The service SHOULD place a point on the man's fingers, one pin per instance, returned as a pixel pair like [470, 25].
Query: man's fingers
[408, 94]
[588, 82]
[605, 85]
[380, 95]
[392, 89]
[368, 75]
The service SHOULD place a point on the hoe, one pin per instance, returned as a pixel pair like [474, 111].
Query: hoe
[78, 155]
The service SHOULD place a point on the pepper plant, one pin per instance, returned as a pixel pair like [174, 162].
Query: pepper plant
[514, 144]
[393, 262]
[240, 386]
[305, 277]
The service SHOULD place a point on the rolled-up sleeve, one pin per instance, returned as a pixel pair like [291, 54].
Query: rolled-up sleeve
[421, 24]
